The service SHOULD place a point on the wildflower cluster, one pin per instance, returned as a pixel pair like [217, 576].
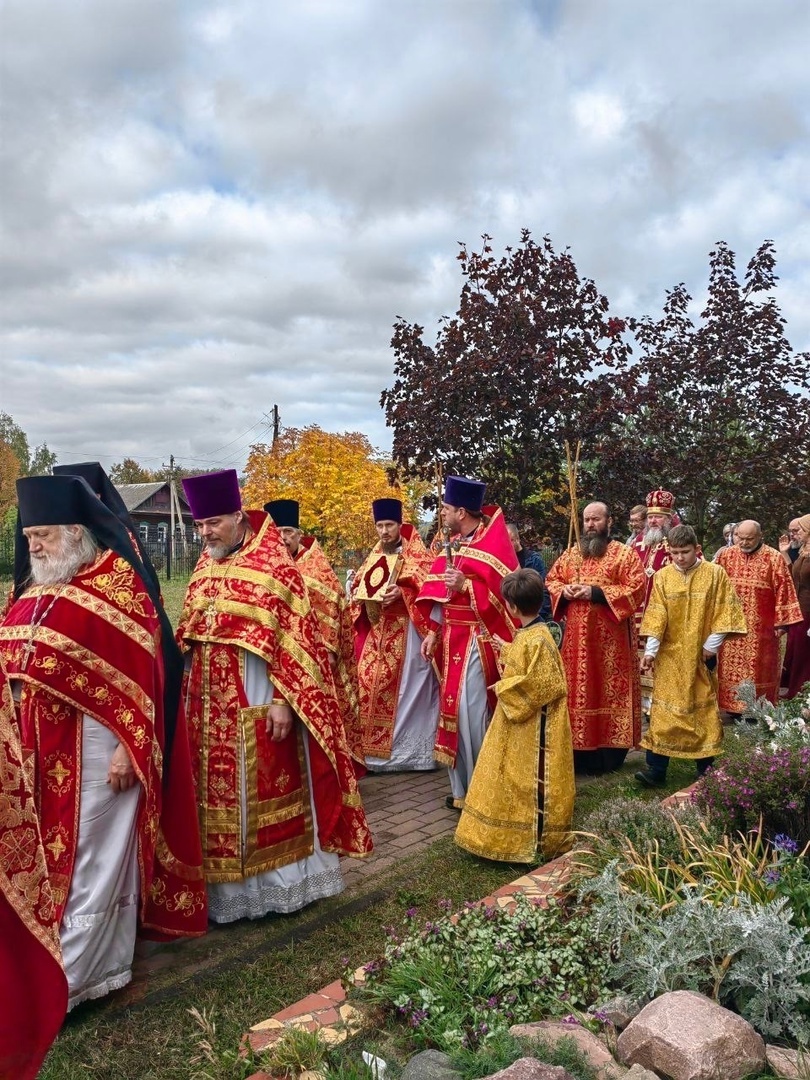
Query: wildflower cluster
[763, 783]
[458, 981]
[789, 876]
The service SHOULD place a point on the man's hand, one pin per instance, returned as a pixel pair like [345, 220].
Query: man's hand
[279, 722]
[647, 664]
[428, 646]
[454, 579]
[392, 594]
[577, 592]
[332, 659]
[121, 775]
[784, 543]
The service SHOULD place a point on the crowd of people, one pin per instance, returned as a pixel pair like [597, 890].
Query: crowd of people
[155, 780]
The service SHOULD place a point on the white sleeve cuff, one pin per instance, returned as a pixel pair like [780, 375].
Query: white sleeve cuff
[713, 642]
[652, 646]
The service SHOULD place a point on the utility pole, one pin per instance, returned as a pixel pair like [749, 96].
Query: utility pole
[275, 424]
[170, 538]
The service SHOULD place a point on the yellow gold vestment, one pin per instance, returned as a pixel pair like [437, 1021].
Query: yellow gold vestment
[684, 609]
[522, 790]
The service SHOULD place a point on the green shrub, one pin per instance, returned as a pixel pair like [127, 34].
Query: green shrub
[456, 983]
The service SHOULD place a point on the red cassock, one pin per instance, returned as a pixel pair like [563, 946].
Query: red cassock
[380, 637]
[328, 600]
[475, 617]
[599, 649]
[764, 584]
[98, 654]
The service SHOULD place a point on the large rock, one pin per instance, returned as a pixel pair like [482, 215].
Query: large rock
[788, 1064]
[430, 1065]
[638, 1072]
[618, 1010]
[551, 1031]
[531, 1069]
[685, 1036]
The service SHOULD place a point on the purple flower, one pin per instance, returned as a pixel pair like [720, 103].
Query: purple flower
[570, 1020]
[446, 905]
[771, 877]
[411, 913]
[785, 844]
[492, 1002]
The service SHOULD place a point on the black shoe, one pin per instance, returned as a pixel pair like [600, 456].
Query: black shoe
[650, 779]
[450, 803]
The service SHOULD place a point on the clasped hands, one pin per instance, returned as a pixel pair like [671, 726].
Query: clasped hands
[577, 592]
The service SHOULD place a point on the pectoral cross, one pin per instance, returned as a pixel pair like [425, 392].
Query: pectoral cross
[29, 649]
[211, 610]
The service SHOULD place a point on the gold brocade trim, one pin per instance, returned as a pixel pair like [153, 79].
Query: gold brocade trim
[443, 758]
[111, 615]
[350, 799]
[182, 870]
[284, 639]
[235, 572]
[219, 870]
[485, 557]
[73, 651]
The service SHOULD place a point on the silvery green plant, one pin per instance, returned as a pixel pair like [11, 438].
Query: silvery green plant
[783, 724]
[738, 952]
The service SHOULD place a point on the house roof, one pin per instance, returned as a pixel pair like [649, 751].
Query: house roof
[135, 495]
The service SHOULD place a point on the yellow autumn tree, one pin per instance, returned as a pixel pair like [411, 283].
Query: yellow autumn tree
[334, 477]
[9, 472]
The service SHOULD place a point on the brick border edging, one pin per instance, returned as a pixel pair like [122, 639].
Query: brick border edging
[328, 1006]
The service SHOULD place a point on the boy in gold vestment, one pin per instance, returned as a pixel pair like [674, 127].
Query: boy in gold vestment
[693, 608]
[521, 795]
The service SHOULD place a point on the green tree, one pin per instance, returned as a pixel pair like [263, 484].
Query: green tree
[32, 462]
[720, 406]
[532, 358]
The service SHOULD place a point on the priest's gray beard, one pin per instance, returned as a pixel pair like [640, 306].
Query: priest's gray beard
[655, 536]
[594, 545]
[218, 551]
[75, 552]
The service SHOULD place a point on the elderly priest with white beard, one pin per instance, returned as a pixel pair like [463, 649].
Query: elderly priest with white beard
[83, 646]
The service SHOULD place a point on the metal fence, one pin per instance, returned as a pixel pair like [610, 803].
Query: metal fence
[170, 560]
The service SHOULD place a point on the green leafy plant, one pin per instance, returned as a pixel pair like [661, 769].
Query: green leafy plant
[646, 825]
[456, 982]
[295, 1052]
[503, 1049]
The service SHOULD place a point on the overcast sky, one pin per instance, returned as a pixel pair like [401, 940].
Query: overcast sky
[208, 208]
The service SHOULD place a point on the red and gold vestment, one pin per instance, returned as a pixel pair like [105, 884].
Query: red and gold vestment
[765, 587]
[652, 558]
[33, 987]
[328, 600]
[380, 637]
[599, 649]
[475, 617]
[97, 653]
[256, 601]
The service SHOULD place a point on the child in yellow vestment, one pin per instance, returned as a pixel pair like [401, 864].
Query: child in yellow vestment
[521, 796]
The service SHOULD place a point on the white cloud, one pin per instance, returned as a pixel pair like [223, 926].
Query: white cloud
[208, 208]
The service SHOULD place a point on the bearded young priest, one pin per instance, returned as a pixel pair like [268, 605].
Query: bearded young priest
[82, 646]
